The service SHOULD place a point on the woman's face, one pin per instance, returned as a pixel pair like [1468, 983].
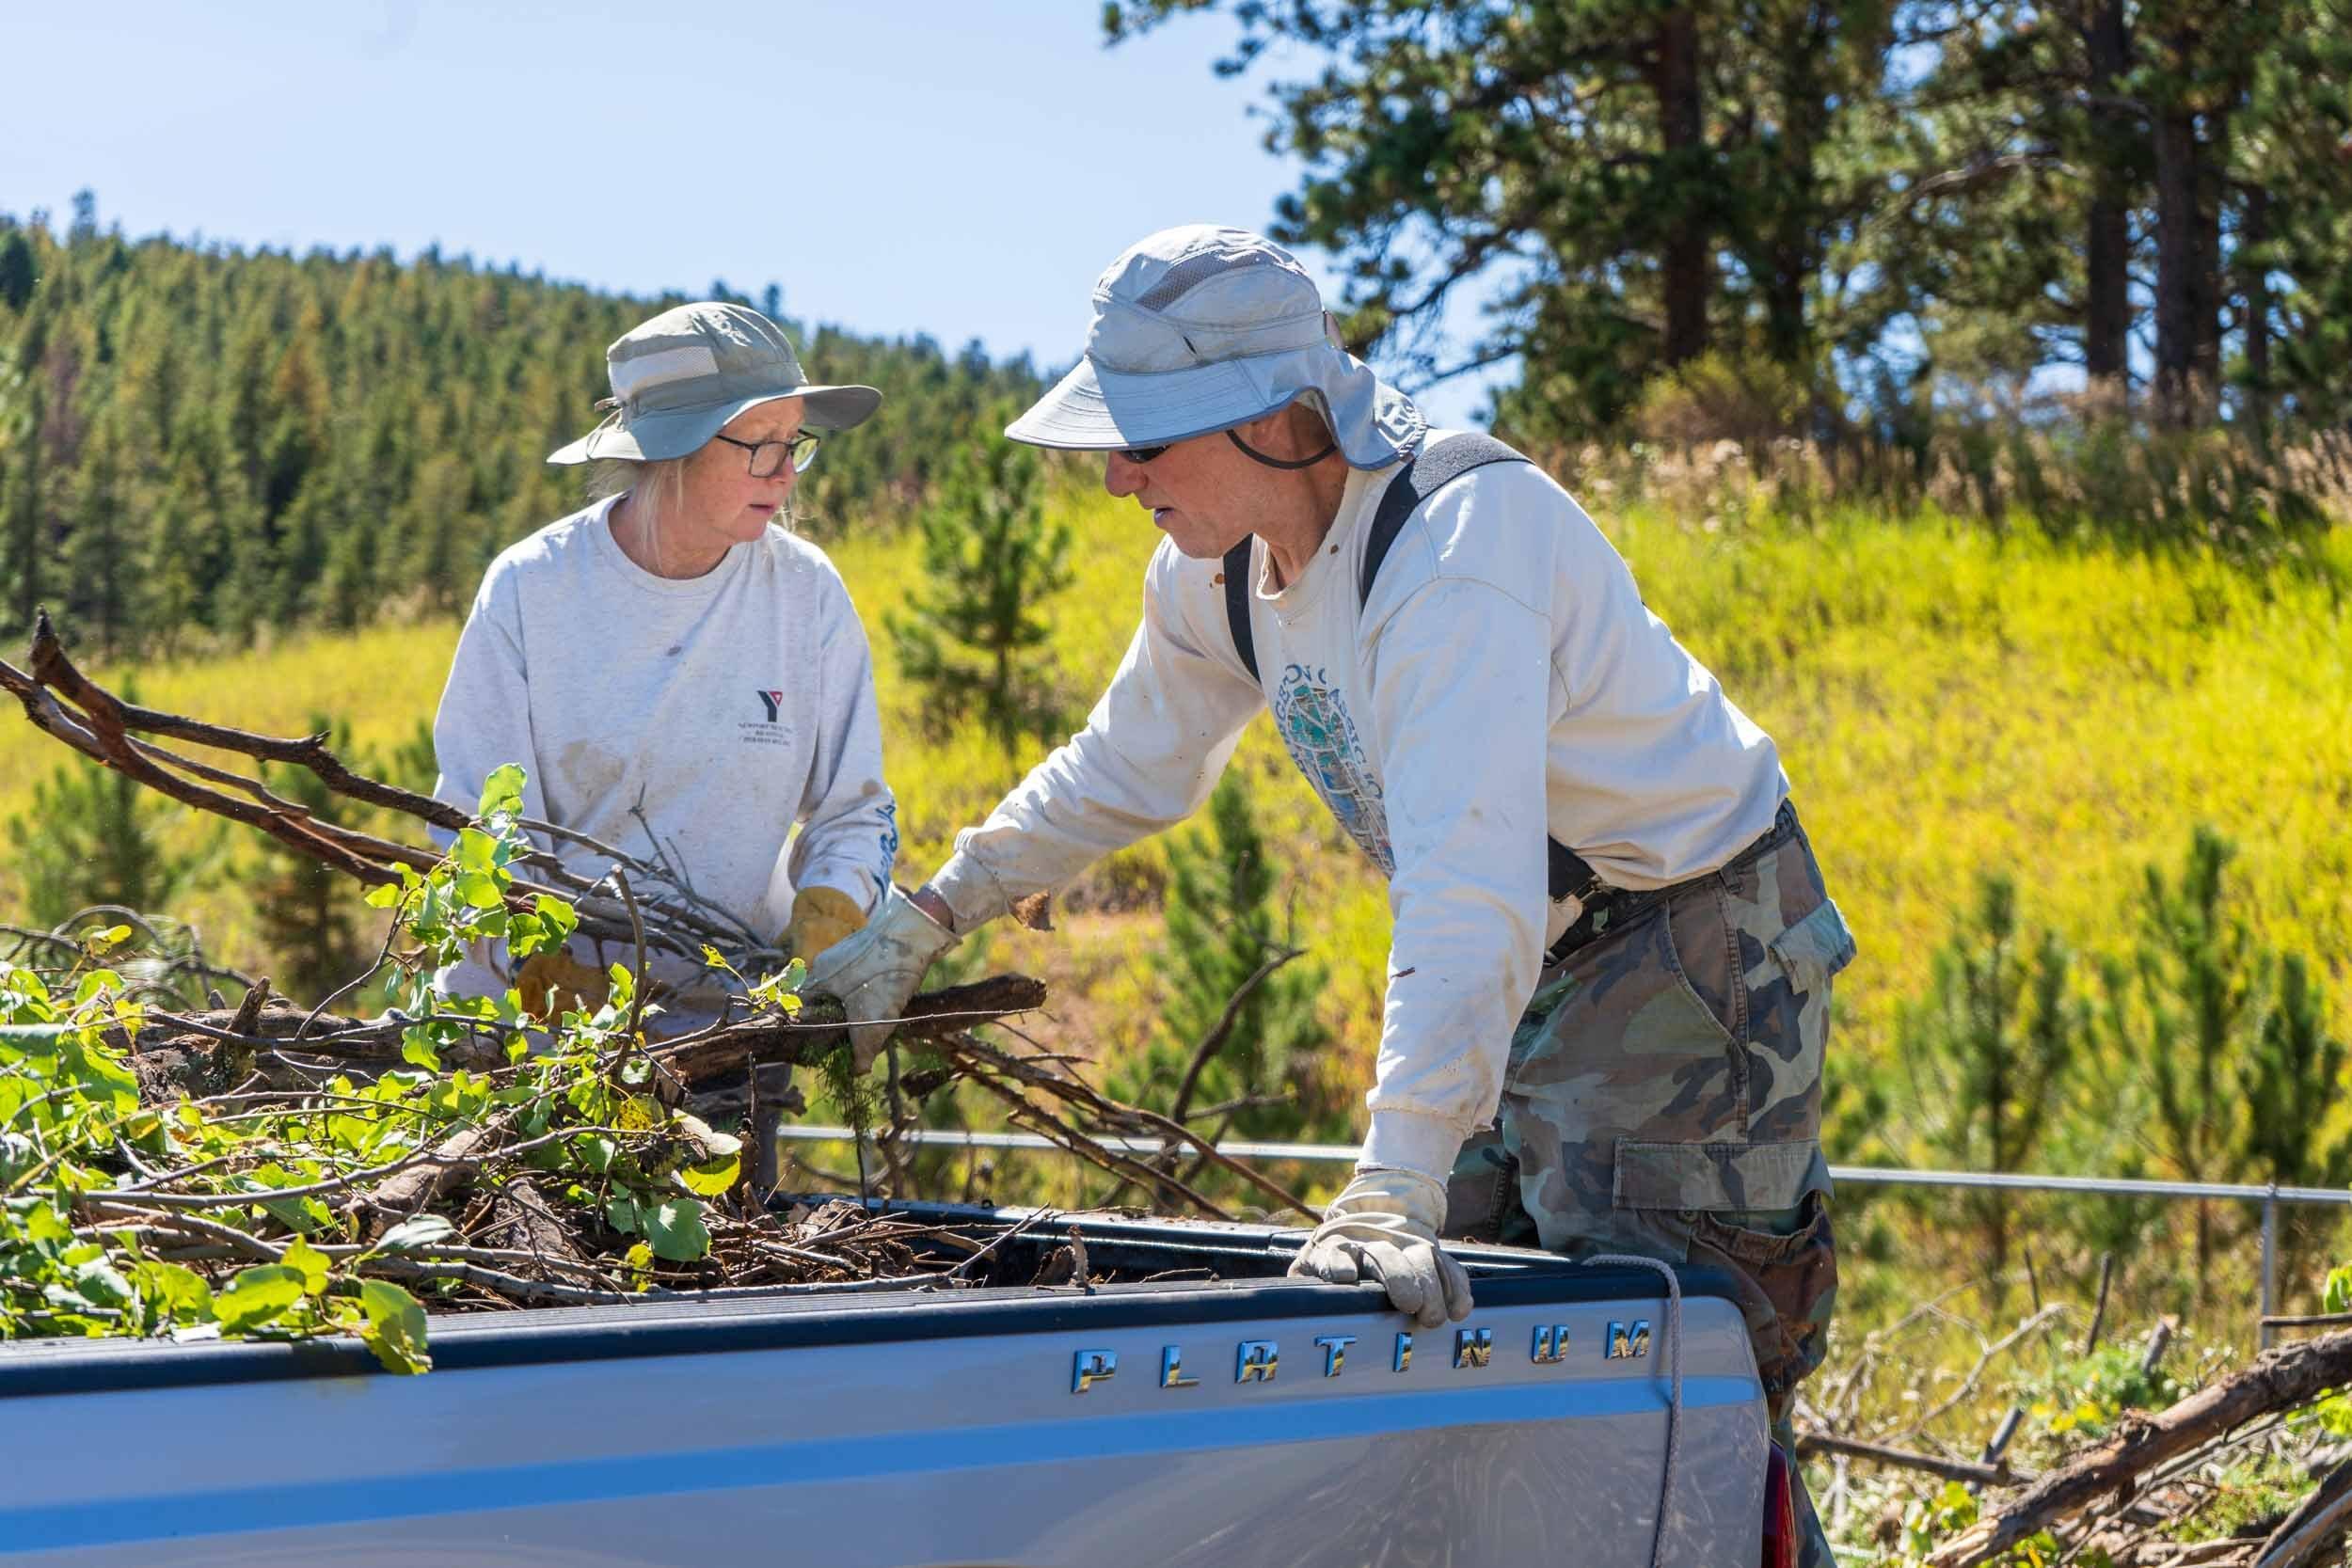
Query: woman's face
[720, 503]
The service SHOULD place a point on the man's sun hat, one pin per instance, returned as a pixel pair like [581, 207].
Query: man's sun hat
[1198, 329]
[680, 377]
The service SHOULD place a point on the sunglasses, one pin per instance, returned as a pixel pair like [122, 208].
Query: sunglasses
[1145, 455]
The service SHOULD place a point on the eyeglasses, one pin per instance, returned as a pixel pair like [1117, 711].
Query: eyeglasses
[767, 458]
[1144, 454]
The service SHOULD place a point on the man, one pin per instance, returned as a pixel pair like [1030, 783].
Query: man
[1609, 984]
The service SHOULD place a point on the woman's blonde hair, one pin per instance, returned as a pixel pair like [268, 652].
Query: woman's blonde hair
[655, 486]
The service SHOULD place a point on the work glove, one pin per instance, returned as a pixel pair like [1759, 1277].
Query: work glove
[554, 983]
[1383, 1226]
[875, 969]
[820, 917]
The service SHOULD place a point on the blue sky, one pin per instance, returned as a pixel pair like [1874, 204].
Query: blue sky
[961, 169]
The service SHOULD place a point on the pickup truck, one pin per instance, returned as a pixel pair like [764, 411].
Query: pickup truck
[1189, 1407]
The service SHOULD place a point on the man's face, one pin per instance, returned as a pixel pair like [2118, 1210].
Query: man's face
[1203, 493]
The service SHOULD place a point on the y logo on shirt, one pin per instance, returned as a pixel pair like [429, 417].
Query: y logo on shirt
[1322, 741]
[775, 704]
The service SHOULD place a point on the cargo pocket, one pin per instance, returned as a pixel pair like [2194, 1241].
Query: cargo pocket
[1759, 1212]
[1788, 1016]
[1814, 949]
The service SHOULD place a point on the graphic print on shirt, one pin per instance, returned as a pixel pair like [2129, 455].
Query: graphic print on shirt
[773, 731]
[1322, 741]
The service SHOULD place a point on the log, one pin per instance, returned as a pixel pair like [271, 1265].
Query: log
[2281, 1379]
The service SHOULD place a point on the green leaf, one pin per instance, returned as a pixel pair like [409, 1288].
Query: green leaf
[174, 1293]
[312, 1263]
[560, 919]
[502, 791]
[395, 1327]
[102, 1284]
[525, 935]
[2339, 1296]
[416, 1049]
[423, 1230]
[621, 1212]
[716, 1162]
[257, 1295]
[711, 1177]
[381, 896]
[480, 890]
[676, 1230]
[475, 850]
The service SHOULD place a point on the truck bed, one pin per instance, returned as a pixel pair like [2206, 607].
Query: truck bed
[1224, 1417]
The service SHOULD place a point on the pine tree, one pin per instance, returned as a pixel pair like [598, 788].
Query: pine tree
[2297, 1065]
[1990, 1049]
[973, 635]
[96, 836]
[2189, 1006]
[1222, 929]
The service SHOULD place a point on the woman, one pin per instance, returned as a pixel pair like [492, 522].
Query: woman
[681, 676]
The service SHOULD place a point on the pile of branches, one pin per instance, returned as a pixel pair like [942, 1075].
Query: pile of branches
[287, 1161]
[2141, 1494]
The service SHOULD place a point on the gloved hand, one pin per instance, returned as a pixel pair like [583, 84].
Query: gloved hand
[820, 917]
[1383, 1226]
[875, 969]
[555, 983]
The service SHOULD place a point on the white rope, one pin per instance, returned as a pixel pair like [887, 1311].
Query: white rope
[1674, 1400]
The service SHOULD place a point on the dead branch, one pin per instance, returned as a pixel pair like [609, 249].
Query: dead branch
[1810, 1443]
[2281, 1379]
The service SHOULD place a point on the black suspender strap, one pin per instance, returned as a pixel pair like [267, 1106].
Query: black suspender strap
[1423, 474]
[1237, 603]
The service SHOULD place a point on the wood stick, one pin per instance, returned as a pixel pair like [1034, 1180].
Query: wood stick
[2159, 1341]
[2099, 1313]
[2281, 1379]
[1810, 1443]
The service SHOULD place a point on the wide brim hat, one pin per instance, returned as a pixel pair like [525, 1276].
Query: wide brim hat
[680, 377]
[1199, 330]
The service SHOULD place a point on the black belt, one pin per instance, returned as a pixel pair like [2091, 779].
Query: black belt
[1608, 909]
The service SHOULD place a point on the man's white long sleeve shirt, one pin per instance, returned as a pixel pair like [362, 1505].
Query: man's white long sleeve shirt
[688, 720]
[1502, 684]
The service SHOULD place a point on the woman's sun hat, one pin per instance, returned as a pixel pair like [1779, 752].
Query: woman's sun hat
[679, 378]
[1198, 329]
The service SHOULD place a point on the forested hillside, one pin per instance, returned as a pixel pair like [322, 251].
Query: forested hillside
[198, 441]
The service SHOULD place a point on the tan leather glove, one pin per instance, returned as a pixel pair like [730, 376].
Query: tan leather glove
[820, 917]
[1383, 1226]
[553, 984]
[875, 969]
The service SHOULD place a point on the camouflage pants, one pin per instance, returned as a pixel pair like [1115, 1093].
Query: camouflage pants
[1663, 1097]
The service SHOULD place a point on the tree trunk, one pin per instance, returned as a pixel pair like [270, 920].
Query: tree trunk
[2177, 253]
[1685, 266]
[2254, 291]
[2212, 293]
[2108, 239]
